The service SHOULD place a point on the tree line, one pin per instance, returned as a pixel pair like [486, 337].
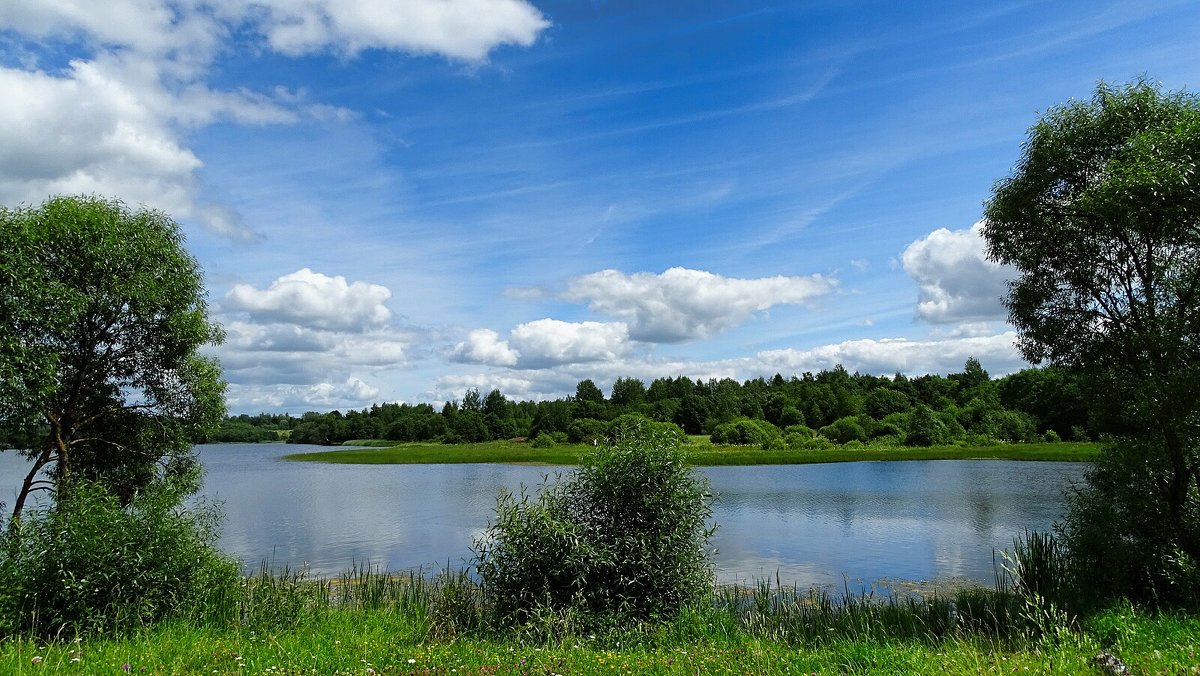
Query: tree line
[810, 410]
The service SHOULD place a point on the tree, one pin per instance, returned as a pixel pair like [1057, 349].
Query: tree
[102, 316]
[1101, 219]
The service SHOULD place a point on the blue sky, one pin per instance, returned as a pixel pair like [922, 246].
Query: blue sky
[399, 200]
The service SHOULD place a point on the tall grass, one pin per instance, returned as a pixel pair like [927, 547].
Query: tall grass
[450, 605]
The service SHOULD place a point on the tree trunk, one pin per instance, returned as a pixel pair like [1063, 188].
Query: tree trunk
[30, 479]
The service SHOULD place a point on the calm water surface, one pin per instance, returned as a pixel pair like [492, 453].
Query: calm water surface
[811, 524]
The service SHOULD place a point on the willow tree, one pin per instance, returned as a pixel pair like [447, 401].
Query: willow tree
[102, 318]
[1101, 218]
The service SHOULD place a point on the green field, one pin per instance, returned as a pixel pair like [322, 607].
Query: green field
[700, 453]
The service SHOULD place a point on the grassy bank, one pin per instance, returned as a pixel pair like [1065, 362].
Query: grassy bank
[404, 634]
[700, 452]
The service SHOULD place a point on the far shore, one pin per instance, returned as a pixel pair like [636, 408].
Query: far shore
[700, 453]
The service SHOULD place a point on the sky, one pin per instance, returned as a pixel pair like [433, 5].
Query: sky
[401, 200]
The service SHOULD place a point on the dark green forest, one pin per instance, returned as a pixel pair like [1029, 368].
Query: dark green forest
[807, 411]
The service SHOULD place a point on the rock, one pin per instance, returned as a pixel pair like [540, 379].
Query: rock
[1110, 664]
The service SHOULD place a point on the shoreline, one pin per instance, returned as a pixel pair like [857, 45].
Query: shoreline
[699, 454]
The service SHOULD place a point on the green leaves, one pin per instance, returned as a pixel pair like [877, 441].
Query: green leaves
[102, 314]
[625, 538]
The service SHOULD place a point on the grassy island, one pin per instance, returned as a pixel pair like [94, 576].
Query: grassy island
[699, 452]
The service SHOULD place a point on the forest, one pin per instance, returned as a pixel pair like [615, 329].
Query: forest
[806, 411]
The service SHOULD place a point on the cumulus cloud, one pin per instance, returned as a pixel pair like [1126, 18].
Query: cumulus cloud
[114, 120]
[956, 282]
[312, 299]
[681, 304]
[310, 340]
[544, 343]
[547, 342]
[483, 346]
[460, 29]
[884, 356]
[350, 393]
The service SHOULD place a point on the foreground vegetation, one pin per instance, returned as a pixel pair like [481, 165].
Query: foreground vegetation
[700, 453]
[367, 623]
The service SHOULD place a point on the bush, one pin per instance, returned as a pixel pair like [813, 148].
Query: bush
[624, 538]
[745, 432]
[844, 430]
[635, 423]
[549, 439]
[925, 428]
[90, 566]
[587, 431]
[1118, 533]
[807, 442]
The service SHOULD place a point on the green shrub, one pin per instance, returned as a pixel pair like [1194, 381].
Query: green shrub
[925, 428]
[745, 432]
[624, 538]
[804, 442]
[1118, 532]
[844, 430]
[89, 565]
[801, 430]
[587, 430]
[634, 423]
[549, 439]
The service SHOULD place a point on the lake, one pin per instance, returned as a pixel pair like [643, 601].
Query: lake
[830, 525]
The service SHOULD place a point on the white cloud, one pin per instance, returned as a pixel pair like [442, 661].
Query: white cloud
[681, 304]
[312, 299]
[956, 281]
[115, 122]
[483, 346]
[310, 340]
[460, 29]
[548, 342]
[913, 357]
[515, 388]
[544, 343]
[349, 394]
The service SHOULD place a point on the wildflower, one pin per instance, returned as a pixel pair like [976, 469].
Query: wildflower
[412, 660]
[126, 667]
[37, 659]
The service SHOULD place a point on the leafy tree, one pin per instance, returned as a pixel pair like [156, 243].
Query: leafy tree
[628, 393]
[102, 316]
[1101, 219]
[586, 390]
[925, 428]
[885, 401]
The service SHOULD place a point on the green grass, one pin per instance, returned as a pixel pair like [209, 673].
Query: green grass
[700, 453]
[388, 630]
